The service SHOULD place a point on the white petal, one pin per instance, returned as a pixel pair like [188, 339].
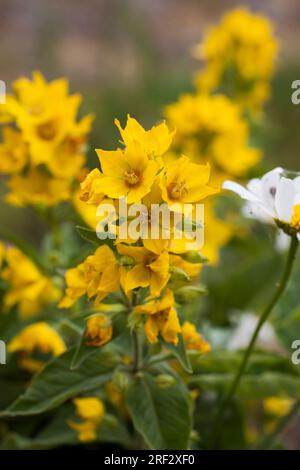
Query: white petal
[240, 190]
[284, 200]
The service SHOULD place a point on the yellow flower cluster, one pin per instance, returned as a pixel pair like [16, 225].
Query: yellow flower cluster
[140, 173]
[91, 410]
[36, 338]
[211, 128]
[43, 153]
[28, 288]
[239, 56]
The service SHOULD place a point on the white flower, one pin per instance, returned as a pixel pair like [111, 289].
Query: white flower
[272, 198]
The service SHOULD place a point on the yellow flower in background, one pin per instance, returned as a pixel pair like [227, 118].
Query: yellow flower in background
[161, 318]
[194, 340]
[98, 330]
[37, 338]
[155, 142]
[91, 410]
[211, 129]
[277, 406]
[46, 155]
[185, 182]
[28, 288]
[37, 187]
[151, 269]
[239, 55]
[96, 277]
[127, 173]
[13, 152]
[2, 254]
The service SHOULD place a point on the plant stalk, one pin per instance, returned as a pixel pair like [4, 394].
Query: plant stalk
[278, 293]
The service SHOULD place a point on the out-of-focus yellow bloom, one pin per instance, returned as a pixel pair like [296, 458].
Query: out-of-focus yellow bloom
[211, 129]
[97, 277]
[161, 318]
[151, 269]
[217, 233]
[155, 142]
[277, 406]
[239, 56]
[37, 187]
[2, 253]
[185, 182]
[98, 330]
[28, 287]
[39, 337]
[13, 152]
[91, 410]
[46, 155]
[194, 340]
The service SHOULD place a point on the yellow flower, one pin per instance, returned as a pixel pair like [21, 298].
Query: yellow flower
[185, 182]
[194, 340]
[28, 287]
[45, 156]
[211, 128]
[13, 152]
[277, 406]
[127, 173]
[155, 142]
[91, 410]
[97, 277]
[91, 190]
[39, 337]
[151, 269]
[37, 187]
[98, 330]
[87, 430]
[2, 253]
[243, 48]
[161, 319]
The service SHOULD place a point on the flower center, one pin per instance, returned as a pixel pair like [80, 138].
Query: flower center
[47, 130]
[176, 190]
[295, 223]
[132, 177]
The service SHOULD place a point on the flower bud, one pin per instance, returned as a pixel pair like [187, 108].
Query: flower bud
[165, 380]
[120, 380]
[194, 256]
[178, 274]
[98, 330]
[189, 293]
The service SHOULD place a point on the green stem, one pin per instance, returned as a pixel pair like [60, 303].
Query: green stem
[135, 351]
[280, 289]
[269, 441]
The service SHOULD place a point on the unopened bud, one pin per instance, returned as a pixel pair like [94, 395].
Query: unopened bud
[120, 380]
[194, 256]
[189, 293]
[178, 274]
[165, 380]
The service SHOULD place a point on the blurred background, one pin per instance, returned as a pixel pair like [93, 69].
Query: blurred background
[134, 56]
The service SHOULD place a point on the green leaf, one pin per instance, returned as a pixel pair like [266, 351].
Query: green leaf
[252, 386]
[57, 432]
[88, 235]
[222, 361]
[91, 236]
[163, 416]
[180, 353]
[56, 383]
